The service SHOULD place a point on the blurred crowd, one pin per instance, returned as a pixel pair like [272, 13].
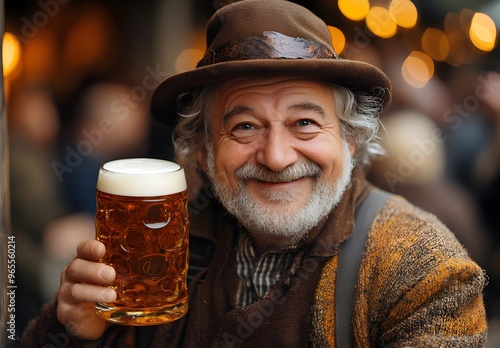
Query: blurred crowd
[82, 97]
[443, 155]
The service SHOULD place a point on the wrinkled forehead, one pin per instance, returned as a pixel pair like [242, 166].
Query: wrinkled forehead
[273, 86]
[270, 98]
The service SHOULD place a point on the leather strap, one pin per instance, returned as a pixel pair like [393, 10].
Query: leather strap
[351, 253]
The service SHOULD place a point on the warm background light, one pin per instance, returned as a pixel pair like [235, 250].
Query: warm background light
[417, 69]
[188, 59]
[380, 23]
[458, 49]
[404, 13]
[435, 44]
[355, 10]
[40, 60]
[456, 38]
[483, 32]
[338, 39]
[89, 39]
[11, 53]
[465, 19]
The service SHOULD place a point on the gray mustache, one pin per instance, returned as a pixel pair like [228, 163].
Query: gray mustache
[292, 172]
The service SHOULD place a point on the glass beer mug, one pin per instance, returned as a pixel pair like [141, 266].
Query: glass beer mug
[141, 217]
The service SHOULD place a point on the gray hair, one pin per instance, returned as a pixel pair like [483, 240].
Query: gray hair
[358, 114]
[359, 121]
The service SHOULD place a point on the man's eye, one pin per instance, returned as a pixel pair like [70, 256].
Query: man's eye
[243, 127]
[305, 122]
[245, 132]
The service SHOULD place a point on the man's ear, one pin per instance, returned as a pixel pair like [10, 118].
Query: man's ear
[201, 158]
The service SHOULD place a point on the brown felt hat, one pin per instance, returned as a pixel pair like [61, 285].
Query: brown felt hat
[267, 38]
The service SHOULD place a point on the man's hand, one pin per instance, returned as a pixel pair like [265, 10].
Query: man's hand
[83, 283]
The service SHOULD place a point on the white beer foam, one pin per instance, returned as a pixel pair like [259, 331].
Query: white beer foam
[141, 177]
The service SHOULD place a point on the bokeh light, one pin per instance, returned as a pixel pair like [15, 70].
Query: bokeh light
[465, 19]
[404, 13]
[188, 59]
[40, 60]
[338, 39]
[483, 32]
[90, 38]
[458, 51]
[457, 39]
[355, 10]
[435, 44]
[11, 54]
[417, 69]
[380, 23]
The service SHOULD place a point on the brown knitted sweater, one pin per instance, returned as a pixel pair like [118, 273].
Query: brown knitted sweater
[417, 287]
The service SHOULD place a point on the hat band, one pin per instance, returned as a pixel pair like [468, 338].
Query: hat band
[272, 45]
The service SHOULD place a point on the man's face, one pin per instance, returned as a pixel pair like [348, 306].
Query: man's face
[277, 158]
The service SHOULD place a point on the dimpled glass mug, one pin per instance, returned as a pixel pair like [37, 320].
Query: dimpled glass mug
[141, 217]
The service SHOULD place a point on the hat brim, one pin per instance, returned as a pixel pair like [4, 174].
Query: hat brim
[355, 75]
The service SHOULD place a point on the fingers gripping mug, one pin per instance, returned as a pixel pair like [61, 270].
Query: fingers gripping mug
[141, 217]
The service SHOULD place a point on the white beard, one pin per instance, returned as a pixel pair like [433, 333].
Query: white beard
[294, 225]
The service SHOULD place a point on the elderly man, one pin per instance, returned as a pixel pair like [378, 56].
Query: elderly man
[283, 129]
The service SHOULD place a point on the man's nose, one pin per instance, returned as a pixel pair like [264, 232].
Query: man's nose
[277, 149]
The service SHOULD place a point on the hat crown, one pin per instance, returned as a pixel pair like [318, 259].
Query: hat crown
[251, 18]
[266, 38]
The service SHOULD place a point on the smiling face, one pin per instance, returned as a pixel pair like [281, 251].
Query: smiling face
[277, 158]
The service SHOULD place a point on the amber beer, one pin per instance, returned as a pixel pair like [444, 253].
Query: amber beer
[142, 219]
